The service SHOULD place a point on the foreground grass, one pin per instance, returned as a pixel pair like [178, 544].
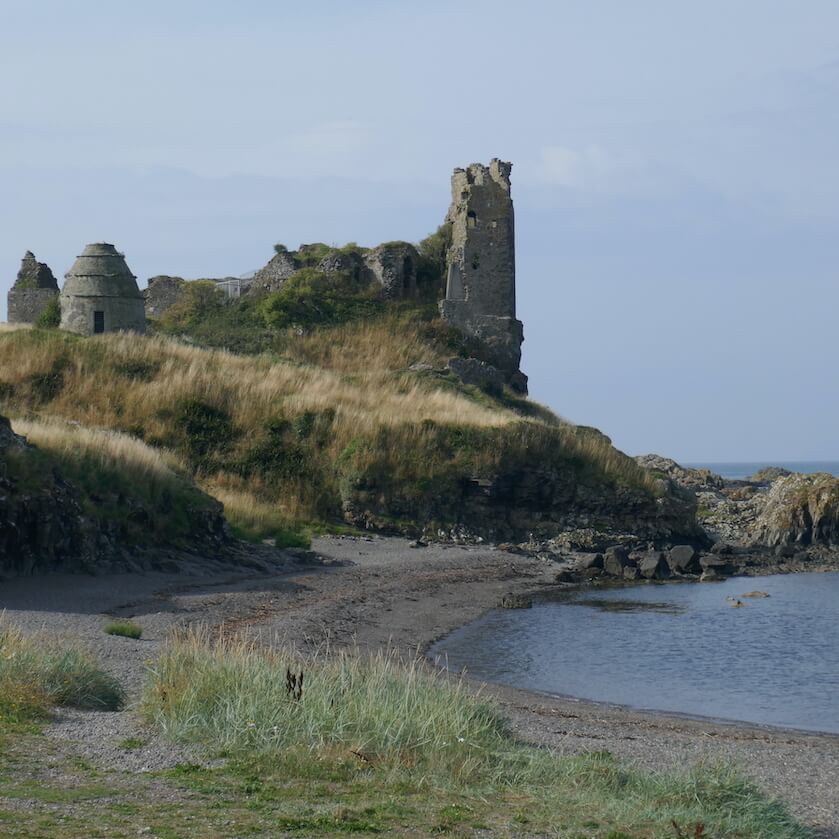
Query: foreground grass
[379, 745]
[37, 673]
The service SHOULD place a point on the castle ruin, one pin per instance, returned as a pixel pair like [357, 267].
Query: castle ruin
[481, 266]
[34, 288]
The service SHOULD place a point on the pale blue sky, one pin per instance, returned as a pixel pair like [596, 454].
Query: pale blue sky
[676, 176]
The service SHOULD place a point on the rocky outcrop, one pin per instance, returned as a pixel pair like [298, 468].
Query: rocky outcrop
[769, 474]
[48, 524]
[521, 501]
[32, 292]
[473, 372]
[774, 508]
[694, 479]
[799, 510]
[41, 523]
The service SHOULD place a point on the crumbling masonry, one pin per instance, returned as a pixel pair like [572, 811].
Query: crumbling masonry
[481, 281]
[34, 288]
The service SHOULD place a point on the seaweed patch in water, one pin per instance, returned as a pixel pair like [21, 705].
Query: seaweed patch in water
[629, 606]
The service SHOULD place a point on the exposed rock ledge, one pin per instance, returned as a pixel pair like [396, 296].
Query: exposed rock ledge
[773, 509]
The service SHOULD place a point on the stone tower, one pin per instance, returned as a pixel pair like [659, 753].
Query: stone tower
[34, 288]
[481, 281]
[100, 294]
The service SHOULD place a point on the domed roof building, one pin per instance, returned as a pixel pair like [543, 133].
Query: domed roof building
[100, 294]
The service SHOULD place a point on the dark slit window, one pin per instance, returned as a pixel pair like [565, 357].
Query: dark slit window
[98, 322]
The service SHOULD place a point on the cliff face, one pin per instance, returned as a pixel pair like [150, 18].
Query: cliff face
[510, 485]
[41, 522]
[50, 523]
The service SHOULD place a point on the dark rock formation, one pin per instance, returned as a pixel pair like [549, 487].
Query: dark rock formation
[34, 288]
[654, 566]
[47, 524]
[683, 475]
[683, 559]
[41, 522]
[615, 560]
[769, 474]
[473, 372]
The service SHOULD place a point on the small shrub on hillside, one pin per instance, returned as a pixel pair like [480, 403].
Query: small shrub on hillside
[50, 317]
[204, 429]
[201, 299]
[126, 629]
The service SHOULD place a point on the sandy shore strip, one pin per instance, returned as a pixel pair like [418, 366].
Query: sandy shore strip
[381, 591]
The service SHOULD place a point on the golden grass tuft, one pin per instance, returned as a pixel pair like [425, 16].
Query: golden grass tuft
[112, 450]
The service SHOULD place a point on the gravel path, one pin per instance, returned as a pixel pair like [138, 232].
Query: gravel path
[382, 591]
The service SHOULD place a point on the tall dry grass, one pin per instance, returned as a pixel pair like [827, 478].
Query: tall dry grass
[98, 387]
[355, 378]
[105, 449]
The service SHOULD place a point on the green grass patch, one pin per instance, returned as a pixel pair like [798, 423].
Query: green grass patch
[127, 629]
[416, 738]
[38, 672]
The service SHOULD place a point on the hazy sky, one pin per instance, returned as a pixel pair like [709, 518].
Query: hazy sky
[676, 176]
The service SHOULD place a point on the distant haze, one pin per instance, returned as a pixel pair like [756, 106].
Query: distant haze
[676, 177]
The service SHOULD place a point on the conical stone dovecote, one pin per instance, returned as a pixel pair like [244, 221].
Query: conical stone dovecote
[100, 294]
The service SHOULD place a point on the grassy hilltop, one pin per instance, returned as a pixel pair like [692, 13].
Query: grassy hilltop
[337, 407]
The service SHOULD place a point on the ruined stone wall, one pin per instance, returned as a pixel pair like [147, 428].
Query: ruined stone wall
[26, 304]
[394, 267]
[34, 287]
[162, 293]
[481, 280]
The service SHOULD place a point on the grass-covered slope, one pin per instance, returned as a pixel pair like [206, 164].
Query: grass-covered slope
[356, 421]
[75, 498]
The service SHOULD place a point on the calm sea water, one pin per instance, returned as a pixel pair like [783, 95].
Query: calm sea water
[677, 647]
[736, 471]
